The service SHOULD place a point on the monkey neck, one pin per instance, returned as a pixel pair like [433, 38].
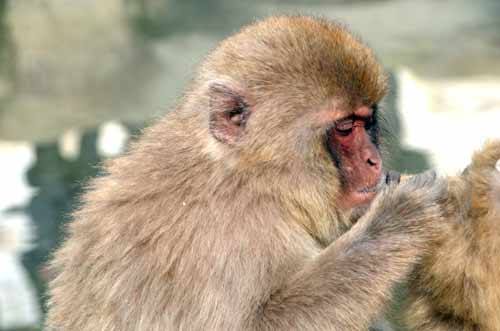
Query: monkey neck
[295, 201]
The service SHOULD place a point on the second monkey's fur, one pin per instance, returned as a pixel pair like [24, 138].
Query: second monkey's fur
[457, 287]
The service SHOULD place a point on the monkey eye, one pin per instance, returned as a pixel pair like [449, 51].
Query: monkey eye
[344, 127]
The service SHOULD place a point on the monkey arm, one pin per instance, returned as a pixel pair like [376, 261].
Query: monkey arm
[419, 315]
[351, 280]
[339, 284]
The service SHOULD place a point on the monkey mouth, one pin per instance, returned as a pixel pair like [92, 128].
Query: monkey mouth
[366, 194]
[362, 197]
[387, 178]
[375, 188]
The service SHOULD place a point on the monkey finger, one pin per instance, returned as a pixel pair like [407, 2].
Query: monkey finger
[393, 177]
[428, 183]
[424, 179]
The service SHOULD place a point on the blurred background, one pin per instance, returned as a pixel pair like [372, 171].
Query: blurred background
[78, 78]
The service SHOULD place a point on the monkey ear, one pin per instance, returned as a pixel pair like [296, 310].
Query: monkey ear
[228, 111]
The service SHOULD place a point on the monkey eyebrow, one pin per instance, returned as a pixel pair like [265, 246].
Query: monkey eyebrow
[352, 120]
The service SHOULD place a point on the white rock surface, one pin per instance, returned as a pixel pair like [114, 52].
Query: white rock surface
[449, 119]
[18, 299]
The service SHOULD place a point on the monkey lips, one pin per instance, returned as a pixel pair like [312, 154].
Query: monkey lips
[356, 197]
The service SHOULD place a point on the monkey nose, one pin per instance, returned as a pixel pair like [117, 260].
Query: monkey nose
[371, 162]
[371, 156]
[374, 163]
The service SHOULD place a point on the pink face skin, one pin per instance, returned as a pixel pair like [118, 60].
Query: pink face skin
[359, 158]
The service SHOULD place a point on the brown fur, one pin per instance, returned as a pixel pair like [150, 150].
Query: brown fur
[457, 287]
[204, 227]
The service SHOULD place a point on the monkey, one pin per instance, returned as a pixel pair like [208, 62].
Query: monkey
[456, 286]
[234, 210]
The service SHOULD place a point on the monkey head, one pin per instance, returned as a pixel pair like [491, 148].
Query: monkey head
[299, 94]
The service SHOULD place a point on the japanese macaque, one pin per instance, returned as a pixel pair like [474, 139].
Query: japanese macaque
[234, 212]
[457, 286]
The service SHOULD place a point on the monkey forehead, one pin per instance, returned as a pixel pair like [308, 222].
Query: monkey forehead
[312, 57]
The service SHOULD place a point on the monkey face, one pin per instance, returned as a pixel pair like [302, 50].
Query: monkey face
[353, 143]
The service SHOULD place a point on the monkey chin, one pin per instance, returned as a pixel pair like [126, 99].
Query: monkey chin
[359, 198]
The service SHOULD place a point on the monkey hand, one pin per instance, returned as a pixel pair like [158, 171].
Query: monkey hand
[411, 212]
